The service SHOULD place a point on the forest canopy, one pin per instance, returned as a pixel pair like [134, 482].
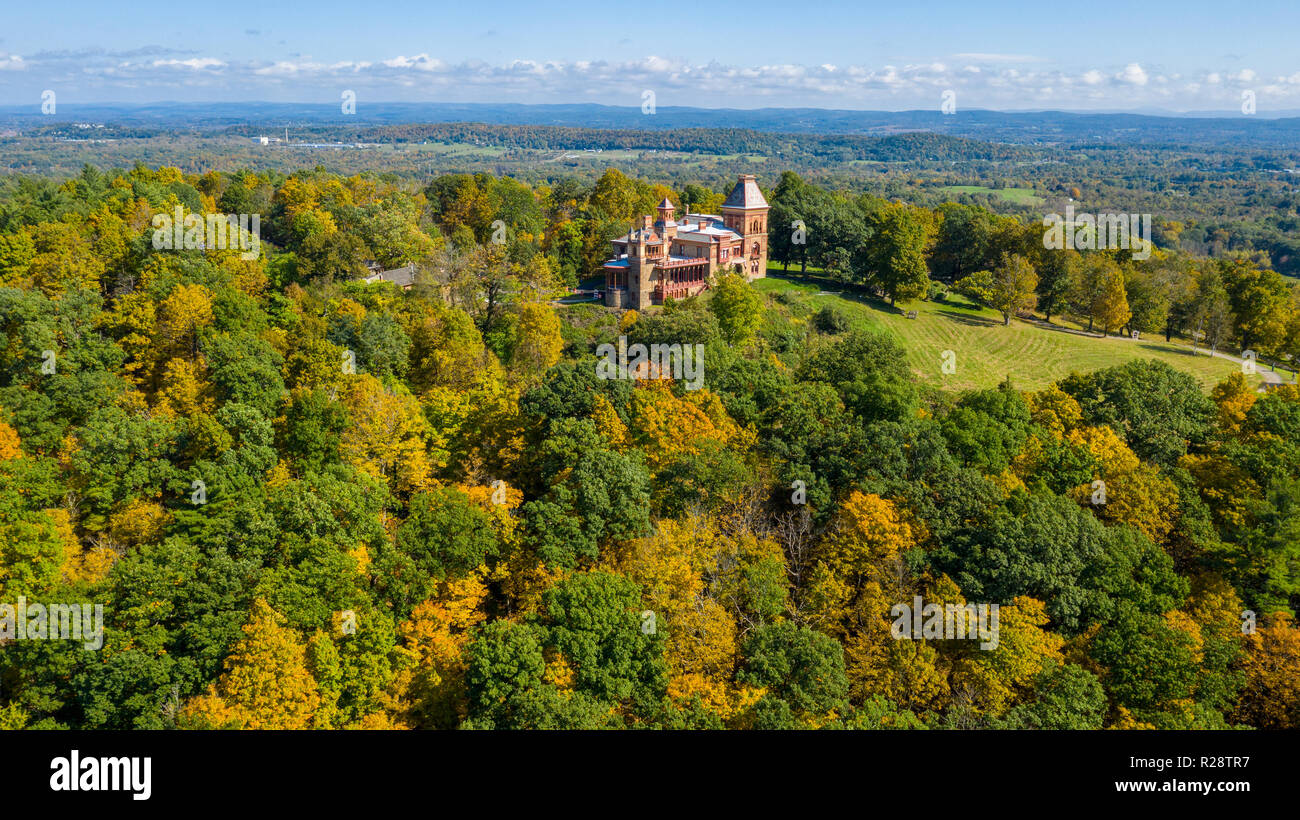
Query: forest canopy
[306, 501]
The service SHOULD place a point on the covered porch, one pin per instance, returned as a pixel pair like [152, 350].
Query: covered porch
[679, 278]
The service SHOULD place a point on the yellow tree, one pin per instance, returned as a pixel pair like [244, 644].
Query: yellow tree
[184, 390]
[65, 259]
[10, 446]
[908, 671]
[134, 321]
[996, 677]
[1271, 698]
[185, 311]
[1110, 306]
[1215, 607]
[110, 239]
[665, 425]
[386, 437]
[1136, 493]
[608, 424]
[430, 691]
[266, 683]
[83, 563]
[16, 252]
[1055, 410]
[687, 571]
[537, 340]
[1234, 398]
[866, 542]
[139, 521]
[858, 577]
[1225, 486]
[348, 314]
[447, 350]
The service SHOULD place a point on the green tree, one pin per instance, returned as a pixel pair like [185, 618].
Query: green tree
[738, 307]
[1148, 664]
[446, 536]
[1261, 302]
[802, 671]
[894, 258]
[596, 621]
[1066, 697]
[1056, 275]
[1157, 410]
[1008, 288]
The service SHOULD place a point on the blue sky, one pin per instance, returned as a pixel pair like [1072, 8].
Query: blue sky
[1108, 55]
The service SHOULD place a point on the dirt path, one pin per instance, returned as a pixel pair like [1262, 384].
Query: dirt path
[1268, 375]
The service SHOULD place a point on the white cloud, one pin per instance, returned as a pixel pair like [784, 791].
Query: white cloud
[196, 63]
[982, 80]
[422, 62]
[283, 67]
[1132, 74]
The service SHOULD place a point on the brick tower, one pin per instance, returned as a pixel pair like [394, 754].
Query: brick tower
[745, 212]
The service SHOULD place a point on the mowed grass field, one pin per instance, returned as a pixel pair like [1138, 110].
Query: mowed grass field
[987, 352]
[1020, 196]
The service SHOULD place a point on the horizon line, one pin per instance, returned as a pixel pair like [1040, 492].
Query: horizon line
[1284, 113]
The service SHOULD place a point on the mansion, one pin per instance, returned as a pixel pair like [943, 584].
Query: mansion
[664, 258]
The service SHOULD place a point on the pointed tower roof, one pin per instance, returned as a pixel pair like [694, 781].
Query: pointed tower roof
[666, 205]
[745, 195]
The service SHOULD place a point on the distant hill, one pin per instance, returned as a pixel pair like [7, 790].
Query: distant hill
[997, 126]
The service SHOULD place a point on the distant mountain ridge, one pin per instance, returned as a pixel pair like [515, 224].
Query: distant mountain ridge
[996, 126]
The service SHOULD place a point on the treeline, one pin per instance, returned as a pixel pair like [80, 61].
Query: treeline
[321, 226]
[914, 147]
[325, 227]
[911, 147]
[1237, 197]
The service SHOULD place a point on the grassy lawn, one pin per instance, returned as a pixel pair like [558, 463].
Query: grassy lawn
[1020, 196]
[448, 149]
[987, 352]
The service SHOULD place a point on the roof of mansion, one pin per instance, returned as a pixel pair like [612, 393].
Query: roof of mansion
[745, 195]
[701, 227]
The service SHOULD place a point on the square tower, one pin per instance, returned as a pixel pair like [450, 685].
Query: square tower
[745, 212]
